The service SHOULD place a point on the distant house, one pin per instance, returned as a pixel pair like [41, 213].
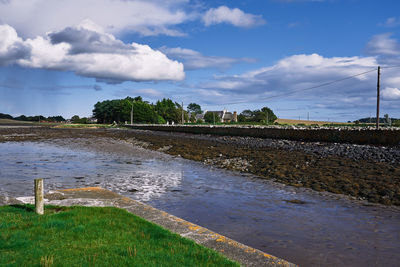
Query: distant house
[199, 117]
[223, 115]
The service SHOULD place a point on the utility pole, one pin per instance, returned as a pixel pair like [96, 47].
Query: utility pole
[132, 113]
[214, 117]
[308, 116]
[377, 97]
[183, 122]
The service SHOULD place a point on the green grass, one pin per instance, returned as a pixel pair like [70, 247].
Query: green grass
[91, 236]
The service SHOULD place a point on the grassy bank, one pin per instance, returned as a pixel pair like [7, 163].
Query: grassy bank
[83, 236]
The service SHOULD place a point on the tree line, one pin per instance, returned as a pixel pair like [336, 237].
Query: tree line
[33, 118]
[119, 110]
[166, 110]
[162, 112]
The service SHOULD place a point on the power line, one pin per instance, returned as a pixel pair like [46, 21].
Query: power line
[305, 89]
[390, 67]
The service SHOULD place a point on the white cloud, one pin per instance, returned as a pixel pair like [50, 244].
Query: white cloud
[235, 16]
[392, 22]
[383, 44]
[90, 52]
[11, 46]
[195, 60]
[147, 17]
[299, 72]
[390, 93]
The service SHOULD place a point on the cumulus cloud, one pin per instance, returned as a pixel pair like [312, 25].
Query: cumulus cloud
[11, 46]
[195, 60]
[288, 78]
[235, 16]
[383, 44]
[90, 52]
[147, 17]
[390, 93]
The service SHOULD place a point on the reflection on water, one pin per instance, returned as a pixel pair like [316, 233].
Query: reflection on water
[325, 231]
[62, 167]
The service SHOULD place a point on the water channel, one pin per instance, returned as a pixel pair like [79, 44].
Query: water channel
[313, 230]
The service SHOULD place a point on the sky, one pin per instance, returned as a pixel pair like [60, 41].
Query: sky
[301, 58]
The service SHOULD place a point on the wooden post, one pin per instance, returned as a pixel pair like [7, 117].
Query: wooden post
[377, 97]
[132, 114]
[183, 119]
[39, 196]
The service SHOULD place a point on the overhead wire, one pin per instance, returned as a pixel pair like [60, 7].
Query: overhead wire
[390, 67]
[304, 89]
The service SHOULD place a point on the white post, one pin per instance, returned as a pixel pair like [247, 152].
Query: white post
[39, 196]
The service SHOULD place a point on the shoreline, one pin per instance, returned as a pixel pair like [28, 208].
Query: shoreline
[100, 197]
[336, 168]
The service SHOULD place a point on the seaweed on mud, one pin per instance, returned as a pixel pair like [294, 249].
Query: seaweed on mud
[374, 181]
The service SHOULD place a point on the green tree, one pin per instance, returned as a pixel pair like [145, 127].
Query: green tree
[169, 110]
[55, 118]
[75, 119]
[144, 113]
[265, 115]
[194, 108]
[192, 117]
[21, 118]
[211, 117]
[270, 115]
[119, 110]
[6, 116]
[245, 116]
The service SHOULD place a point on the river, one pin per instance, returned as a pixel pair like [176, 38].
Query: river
[299, 225]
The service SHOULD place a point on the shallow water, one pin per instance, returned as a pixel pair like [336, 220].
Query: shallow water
[327, 230]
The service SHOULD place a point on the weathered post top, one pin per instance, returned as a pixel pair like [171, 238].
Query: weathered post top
[39, 196]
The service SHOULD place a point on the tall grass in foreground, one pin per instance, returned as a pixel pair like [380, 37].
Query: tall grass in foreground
[83, 236]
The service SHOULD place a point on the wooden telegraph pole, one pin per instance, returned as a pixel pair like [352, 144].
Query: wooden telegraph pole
[377, 97]
[132, 114]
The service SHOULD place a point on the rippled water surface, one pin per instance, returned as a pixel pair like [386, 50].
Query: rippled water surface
[325, 231]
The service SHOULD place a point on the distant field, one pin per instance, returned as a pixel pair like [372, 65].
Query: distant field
[25, 123]
[8, 121]
[16, 123]
[306, 122]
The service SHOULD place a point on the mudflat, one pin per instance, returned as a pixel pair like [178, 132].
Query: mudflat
[362, 172]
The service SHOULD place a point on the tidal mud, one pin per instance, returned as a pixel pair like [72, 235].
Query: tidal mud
[363, 172]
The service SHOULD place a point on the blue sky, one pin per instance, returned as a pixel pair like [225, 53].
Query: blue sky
[61, 57]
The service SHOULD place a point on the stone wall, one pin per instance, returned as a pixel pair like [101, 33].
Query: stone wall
[390, 137]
